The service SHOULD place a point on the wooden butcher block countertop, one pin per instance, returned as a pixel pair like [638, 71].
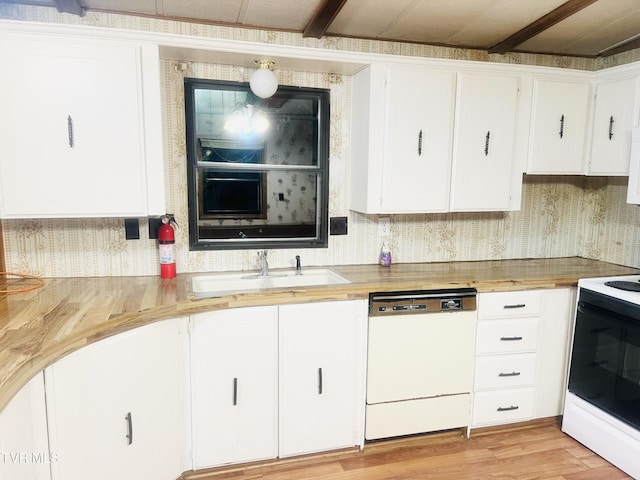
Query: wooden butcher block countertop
[41, 326]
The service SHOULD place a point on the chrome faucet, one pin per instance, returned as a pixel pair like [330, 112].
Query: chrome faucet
[264, 265]
[298, 266]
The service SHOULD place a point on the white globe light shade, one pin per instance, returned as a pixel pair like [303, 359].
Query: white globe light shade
[263, 82]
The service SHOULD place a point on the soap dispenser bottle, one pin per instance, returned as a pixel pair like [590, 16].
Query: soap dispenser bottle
[385, 255]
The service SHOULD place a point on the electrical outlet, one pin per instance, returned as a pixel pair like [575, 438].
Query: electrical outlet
[384, 227]
[131, 229]
[337, 225]
[154, 225]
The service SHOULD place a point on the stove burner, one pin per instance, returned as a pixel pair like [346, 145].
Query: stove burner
[621, 285]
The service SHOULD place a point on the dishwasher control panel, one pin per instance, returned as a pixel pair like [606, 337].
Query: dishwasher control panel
[422, 301]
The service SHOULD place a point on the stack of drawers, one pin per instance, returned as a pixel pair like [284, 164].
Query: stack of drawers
[505, 367]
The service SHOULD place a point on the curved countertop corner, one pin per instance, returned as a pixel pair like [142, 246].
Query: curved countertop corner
[41, 326]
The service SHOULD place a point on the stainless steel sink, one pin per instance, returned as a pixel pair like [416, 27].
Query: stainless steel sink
[218, 284]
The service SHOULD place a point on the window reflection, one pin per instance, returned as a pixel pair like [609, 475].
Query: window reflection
[258, 168]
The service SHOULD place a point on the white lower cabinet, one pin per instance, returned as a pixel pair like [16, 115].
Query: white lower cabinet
[24, 450]
[521, 355]
[321, 376]
[234, 355]
[553, 353]
[503, 406]
[277, 381]
[506, 341]
[115, 408]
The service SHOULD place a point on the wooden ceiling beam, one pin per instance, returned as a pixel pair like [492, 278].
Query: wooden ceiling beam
[69, 6]
[623, 47]
[323, 18]
[557, 15]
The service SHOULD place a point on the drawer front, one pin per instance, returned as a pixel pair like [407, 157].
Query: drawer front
[505, 371]
[507, 336]
[504, 406]
[509, 304]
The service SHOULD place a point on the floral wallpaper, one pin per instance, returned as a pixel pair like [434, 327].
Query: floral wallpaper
[560, 216]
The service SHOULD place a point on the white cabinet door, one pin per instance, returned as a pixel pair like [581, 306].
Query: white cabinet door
[558, 126]
[116, 407]
[234, 379]
[321, 376]
[616, 113]
[556, 319]
[24, 448]
[402, 118]
[484, 135]
[73, 123]
[417, 152]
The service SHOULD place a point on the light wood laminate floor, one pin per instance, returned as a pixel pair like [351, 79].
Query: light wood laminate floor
[537, 451]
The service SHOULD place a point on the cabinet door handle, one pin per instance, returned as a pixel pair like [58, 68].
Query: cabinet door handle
[611, 127]
[129, 435]
[515, 305]
[235, 392]
[420, 143]
[70, 130]
[509, 374]
[320, 381]
[486, 144]
[508, 409]
[562, 126]
[510, 339]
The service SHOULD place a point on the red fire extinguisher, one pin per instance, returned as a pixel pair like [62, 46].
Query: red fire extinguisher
[166, 242]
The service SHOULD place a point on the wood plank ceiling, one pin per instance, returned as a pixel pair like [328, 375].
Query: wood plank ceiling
[587, 28]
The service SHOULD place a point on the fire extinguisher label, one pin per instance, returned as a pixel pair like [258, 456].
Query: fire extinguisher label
[166, 254]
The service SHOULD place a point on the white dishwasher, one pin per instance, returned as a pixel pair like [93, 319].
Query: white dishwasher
[420, 361]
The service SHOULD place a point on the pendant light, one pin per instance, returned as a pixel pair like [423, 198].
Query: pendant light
[263, 81]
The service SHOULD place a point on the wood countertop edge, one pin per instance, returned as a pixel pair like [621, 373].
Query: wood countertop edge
[24, 370]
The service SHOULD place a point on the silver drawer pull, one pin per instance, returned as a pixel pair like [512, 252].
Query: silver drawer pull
[512, 374]
[515, 305]
[508, 409]
[510, 339]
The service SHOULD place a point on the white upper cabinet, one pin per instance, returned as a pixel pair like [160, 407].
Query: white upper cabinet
[401, 139]
[431, 139]
[81, 128]
[485, 132]
[615, 114]
[560, 117]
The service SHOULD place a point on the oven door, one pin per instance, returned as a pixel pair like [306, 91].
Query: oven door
[605, 364]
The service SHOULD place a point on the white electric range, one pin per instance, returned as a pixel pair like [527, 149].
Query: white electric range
[602, 406]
